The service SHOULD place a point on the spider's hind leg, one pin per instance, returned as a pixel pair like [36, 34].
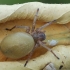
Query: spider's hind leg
[31, 53]
[10, 28]
[25, 27]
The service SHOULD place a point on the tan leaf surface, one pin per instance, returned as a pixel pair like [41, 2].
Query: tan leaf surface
[57, 33]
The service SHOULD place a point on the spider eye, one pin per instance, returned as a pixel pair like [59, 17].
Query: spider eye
[41, 36]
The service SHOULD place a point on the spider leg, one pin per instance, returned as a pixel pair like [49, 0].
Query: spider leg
[10, 28]
[40, 28]
[30, 54]
[25, 27]
[34, 21]
[41, 44]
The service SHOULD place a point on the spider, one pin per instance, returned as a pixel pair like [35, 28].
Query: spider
[37, 34]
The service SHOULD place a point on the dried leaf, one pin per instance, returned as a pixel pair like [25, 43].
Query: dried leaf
[48, 12]
[50, 66]
[58, 33]
[65, 18]
[12, 66]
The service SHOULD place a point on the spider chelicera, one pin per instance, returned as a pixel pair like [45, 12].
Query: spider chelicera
[37, 34]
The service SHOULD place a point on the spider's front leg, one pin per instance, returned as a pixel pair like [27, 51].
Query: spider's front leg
[34, 21]
[42, 44]
[46, 24]
[25, 27]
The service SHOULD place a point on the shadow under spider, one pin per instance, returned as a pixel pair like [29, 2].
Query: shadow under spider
[37, 34]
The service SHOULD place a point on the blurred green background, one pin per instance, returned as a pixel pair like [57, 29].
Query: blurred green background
[10, 2]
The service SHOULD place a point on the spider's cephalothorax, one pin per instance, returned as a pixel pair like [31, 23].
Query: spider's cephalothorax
[38, 35]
